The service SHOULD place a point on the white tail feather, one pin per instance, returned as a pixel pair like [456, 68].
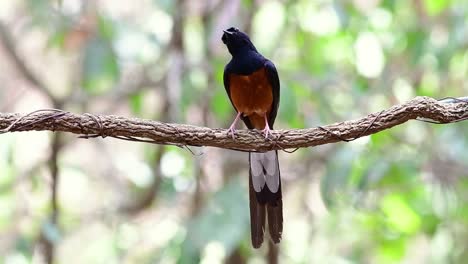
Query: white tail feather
[264, 168]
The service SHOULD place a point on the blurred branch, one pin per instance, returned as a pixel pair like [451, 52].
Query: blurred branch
[134, 129]
[7, 41]
[272, 255]
[46, 239]
[170, 100]
[175, 72]
[48, 242]
[148, 196]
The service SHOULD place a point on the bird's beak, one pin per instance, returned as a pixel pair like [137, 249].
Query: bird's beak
[227, 35]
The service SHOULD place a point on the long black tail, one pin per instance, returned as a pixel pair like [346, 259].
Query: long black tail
[265, 197]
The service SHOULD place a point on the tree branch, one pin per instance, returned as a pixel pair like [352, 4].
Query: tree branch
[421, 108]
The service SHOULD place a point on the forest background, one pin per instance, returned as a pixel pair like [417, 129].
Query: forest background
[398, 196]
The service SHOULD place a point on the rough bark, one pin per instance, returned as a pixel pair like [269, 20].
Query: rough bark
[88, 125]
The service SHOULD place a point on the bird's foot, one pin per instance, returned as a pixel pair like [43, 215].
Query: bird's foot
[267, 131]
[232, 131]
[232, 128]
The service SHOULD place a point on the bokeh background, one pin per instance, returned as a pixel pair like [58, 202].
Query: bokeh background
[399, 196]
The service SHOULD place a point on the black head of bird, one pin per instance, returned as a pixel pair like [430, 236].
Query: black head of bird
[237, 41]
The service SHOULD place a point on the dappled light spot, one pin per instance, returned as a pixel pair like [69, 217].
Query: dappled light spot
[370, 59]
[214, 252]
[381, 18]
[172, 164]
[322, 22]
[137, 171]
[402, 90]
[267, 25]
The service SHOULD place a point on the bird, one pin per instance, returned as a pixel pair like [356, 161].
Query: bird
[253, 87]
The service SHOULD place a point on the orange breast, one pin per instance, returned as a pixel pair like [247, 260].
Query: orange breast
[252, 95]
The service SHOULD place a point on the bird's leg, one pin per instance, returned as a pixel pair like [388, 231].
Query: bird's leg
[267, 129]
[232, 128]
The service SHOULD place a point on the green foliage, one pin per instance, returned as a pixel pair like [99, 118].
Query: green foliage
[100, 68]
[223, 220]
[136, 103]
[435, 7]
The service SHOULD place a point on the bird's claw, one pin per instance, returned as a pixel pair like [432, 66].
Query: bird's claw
[266, 131]
[232, 131]
[232, 128]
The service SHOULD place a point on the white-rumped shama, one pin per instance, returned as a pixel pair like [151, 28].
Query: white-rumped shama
[253, 86]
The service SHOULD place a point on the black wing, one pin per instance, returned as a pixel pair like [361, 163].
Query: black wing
[273, 78]
[226, 81]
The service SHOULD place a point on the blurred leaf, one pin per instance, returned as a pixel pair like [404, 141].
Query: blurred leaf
[429, 85]
[400, 215]
[416, 44]
[170, 253]
[136, 103]
[106, 28]
[247, 3]
[381, 139]
[288, 107]
[6, 210]
[224, 219]
[370, 220]
[435, 7]
[459, 64]
[51, 232]
[336, 48]
[26, 246]
[391, 250]
[8, 170]
[399, 174]
[357, 173]
[168, 191]
[334, 185]
[430, 224]
[57, 39]
[315, 61]
[40, 11]
[361, 85]
[389, 4]
[221, 106]
[100, 67]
